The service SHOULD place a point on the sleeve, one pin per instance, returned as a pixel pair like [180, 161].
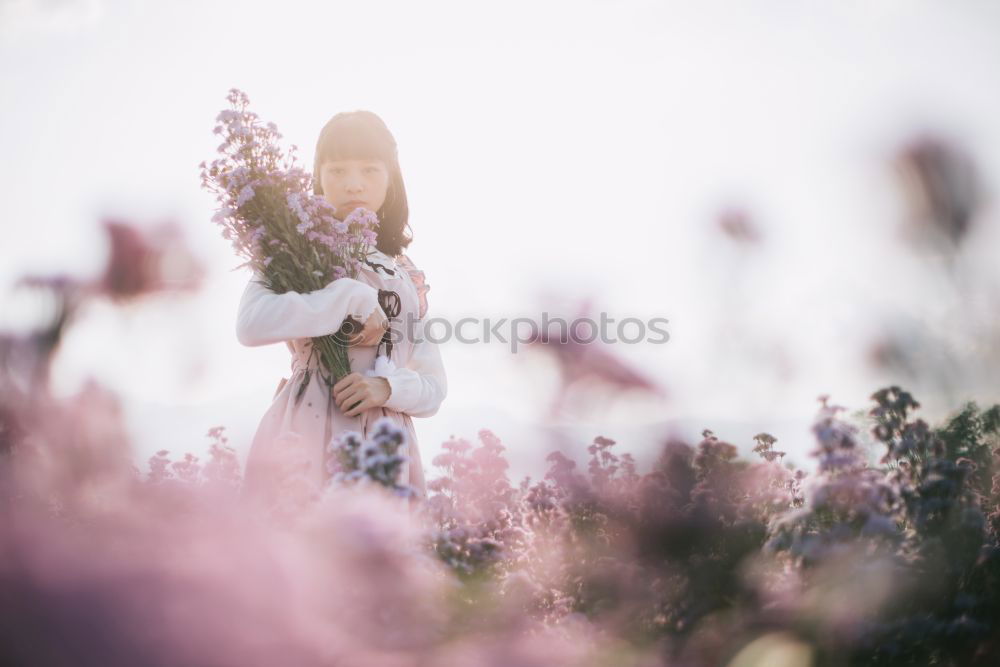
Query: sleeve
[419, 387]
[265, 317]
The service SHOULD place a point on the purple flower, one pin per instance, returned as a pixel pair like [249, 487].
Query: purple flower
[246, 194]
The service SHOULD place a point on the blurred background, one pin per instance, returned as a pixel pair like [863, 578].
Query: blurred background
[805, 191]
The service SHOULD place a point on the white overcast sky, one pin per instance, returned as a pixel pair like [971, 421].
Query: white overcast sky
[568, 148]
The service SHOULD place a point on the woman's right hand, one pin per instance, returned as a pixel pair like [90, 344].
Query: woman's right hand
[372, 331]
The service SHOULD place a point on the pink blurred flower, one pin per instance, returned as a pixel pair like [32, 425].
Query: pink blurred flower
[942, 189]
[143, 261]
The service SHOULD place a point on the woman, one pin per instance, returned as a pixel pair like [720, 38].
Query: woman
[356, 165]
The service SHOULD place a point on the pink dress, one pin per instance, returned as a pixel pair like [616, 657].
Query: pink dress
[290, 443]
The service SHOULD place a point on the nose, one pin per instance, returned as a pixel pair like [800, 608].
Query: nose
[354, 183]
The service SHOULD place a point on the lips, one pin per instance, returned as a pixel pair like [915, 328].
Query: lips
[355, 203]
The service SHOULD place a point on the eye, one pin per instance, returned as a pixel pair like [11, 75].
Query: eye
[372, 169]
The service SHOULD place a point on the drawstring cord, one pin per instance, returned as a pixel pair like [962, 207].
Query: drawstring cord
[391, 305]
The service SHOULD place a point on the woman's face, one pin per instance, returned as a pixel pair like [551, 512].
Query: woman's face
[350, 184]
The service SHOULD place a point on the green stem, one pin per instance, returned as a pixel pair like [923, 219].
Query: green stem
[332, 359]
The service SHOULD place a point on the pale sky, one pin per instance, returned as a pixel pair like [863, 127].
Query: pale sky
[571, 148]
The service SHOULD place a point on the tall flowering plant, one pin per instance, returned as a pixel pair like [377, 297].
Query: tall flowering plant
[287, 234]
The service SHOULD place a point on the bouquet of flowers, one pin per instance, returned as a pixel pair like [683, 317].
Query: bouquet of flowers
[286, 233]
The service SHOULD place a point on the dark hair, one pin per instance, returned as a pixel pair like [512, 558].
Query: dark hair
[361, 135]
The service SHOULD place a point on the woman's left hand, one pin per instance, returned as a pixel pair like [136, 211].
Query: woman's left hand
[358, 393]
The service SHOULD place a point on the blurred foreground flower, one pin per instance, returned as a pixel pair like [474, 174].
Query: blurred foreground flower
[738, 226]
[586, 362]
[143, 261]
[942, 190]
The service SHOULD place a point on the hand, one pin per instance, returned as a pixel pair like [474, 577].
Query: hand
[359, 392]
[372, 331]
